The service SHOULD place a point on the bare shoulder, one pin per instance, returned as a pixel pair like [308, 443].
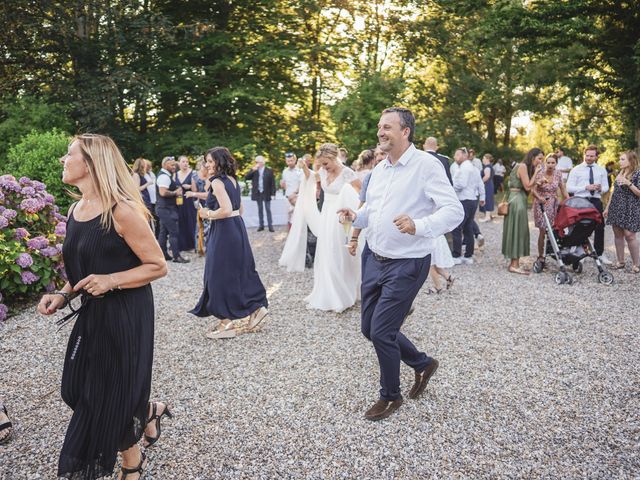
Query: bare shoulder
[125, 213]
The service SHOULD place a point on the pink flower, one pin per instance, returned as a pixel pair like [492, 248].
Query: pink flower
[24, 260]
[28, 277]
[21, 233]
[3, 312]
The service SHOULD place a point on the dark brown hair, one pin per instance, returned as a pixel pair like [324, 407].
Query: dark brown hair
[223, 160]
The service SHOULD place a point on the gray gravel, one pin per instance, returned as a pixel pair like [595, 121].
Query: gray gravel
[535, 381]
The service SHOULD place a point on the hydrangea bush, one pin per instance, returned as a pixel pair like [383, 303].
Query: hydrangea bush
[31, 235]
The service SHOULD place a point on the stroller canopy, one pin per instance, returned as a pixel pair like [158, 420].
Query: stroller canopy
[573, 210]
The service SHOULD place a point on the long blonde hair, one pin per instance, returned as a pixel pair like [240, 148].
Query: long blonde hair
[632, 158]
[110, 175]
[139, 166]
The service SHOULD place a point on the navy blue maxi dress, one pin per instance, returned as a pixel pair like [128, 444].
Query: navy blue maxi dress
[187, 217]
[232, 287]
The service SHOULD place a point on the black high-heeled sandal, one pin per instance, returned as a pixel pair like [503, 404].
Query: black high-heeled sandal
[154, 416]
[6, 425]
[139, 469]
[450, 279]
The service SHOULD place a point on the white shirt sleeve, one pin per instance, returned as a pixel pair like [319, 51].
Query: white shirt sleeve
[163, 181]
[449, 212]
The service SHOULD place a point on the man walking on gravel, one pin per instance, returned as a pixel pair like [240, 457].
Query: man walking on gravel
[409, 203]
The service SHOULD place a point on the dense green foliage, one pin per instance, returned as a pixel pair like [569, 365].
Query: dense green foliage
[267, 76]
[37, 156]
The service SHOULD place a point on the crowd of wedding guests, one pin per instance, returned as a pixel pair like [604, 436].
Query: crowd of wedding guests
[363, 246]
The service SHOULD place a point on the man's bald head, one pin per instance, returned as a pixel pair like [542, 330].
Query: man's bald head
[431, 144]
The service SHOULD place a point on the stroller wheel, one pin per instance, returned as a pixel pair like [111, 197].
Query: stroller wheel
[605, 278]
[569, 279]
[577, 267]
[562, 277]
[537, 266]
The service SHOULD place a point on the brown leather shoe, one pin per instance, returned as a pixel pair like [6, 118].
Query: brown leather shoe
[422, 379]
[382, 409]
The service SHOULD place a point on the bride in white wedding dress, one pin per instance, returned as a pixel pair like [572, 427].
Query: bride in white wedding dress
[336, 274]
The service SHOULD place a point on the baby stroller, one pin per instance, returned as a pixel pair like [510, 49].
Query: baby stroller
[568, 239]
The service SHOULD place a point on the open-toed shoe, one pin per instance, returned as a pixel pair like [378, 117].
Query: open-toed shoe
[148, 440]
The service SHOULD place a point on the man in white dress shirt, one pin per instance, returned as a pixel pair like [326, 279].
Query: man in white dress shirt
[468, 186]
[589, 180]
[409, 203]
[565, 164]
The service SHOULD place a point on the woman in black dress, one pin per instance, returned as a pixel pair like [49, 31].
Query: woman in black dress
[110, 256]
[623, 211]
[187, 214]
[232, 287]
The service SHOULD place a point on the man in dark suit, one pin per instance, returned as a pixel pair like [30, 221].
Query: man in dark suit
[263, 187]
[431, 146]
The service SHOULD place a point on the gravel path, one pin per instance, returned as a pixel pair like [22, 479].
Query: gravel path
[535, 381]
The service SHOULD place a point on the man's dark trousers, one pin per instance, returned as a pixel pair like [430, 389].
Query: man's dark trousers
[266, 201]
[388, 290]
[598, 235]
[168, 227]
[466, 229]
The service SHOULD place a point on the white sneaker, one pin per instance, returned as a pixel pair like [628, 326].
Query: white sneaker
[467, 260]
[605, 260]
[480, 241]
[457, 260]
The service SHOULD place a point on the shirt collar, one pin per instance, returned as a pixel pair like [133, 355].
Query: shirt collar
[404, 159]
[165, 171]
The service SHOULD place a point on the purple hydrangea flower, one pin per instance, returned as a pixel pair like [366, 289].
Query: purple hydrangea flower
[9, 214]
[48, 199]
[60, 218]
[25, 180]
[28, 191]
[39, 186]
[31, 205]
[28, 277]
[49, 251]
[4, 223]
[3, 312]
[24, 260]
[8, 183]
[38, 243]
[21, 233]
[51, 286]
[1, 197]
[61, 229]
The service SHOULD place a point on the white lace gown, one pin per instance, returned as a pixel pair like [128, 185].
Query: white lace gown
[336, 274]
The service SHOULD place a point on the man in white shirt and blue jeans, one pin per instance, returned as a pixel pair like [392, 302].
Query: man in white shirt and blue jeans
[468, 185]
[409, 203]
[589, 180]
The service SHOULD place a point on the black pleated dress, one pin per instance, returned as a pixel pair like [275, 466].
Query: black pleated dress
[232, 286]
[107, 369]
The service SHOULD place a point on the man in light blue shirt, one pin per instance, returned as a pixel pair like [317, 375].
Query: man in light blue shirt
[409, 203]
[589, 180]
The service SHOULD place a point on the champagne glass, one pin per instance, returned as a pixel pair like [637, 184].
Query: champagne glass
[346, 224]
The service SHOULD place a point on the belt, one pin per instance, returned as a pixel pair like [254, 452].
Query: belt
[515, 189]
[380, 258]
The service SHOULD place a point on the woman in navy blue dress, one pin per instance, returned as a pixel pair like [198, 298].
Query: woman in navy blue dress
[487, 178]
[232, 287]
[187, 214]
